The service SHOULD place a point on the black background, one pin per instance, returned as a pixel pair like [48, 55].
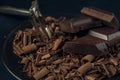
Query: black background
[55, 8]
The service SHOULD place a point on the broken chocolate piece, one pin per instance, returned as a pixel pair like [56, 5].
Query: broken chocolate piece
[77, 24]
[104, 33]
[86, 45]
[102, 15]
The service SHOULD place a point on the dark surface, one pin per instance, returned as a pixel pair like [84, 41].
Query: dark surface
[49, 7]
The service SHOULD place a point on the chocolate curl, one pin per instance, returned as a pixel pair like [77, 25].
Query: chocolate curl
[20, 44]
[34, 68]
[85, 68]
[24, 39]
[57, 43]
[100, 60]
[56, 70]
[29, 48]
[53, 58]
[58, 61]
[29, 38]
[17, 49]
[90, 77]
[43, 72]
[69, 66]
[49, 19]
[113, 60]
[41, 62]
[26, 66]
[29, 69]
[63, 70]
[40, 44]
[88, 58]
[38, 58]
[24, 60]
[52, 68]
[46, 56]
[31, 57]
[70, 75]
[95, 70]
[50, 78]
[103, 64]
[112, 69]
[106, 70]
[93, 77]
[18, 35]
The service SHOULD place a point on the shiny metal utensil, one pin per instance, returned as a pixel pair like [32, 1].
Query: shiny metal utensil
[36, 18]
[14, 11]
[34, 13]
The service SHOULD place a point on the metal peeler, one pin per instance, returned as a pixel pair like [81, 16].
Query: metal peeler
[42, 31]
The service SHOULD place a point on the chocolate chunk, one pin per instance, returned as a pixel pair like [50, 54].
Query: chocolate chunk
[86, 45]
[103, 15]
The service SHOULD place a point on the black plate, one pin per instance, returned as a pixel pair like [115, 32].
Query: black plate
[11, 61]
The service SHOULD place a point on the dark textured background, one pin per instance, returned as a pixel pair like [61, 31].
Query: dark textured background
[49, 7]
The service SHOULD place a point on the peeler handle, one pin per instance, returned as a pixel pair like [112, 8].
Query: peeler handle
[14, 11]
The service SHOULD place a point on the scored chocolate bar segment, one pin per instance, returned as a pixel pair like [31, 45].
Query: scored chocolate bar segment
[101, 15]
[77, 24]
[98, 13]
[104, 33]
